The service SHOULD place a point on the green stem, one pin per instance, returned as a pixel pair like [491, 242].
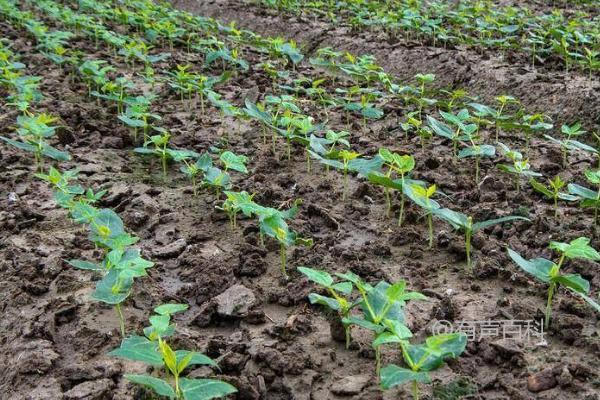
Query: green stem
[430, 224]
[121, 319]
[377, 361]
[345, 185]
[388, 202]
[347, 332]
[468, 234]
[283, 256]
[415, 390]
[549, 305]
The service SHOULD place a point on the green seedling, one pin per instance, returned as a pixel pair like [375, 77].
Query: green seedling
[549, 272]
[399, 166]
[589, 198]
[137, 115]
[461, 129]
[422, 359]
[115, 91]
[33, 132]
[237, 202]
[159, 149]
[153, 349]
[519, 168]
[121, 263]
[193, 169]
[499, 117]
[460, 221]
[421, 196]
[415, 125]
[567, 144]
[336, 301]
[553, 191]
[67, 195]
[382, 308]
[346, 156]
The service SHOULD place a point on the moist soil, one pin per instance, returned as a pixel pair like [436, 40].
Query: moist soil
[278, 346]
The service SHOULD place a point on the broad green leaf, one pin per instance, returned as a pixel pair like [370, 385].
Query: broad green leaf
[161, 387]
[392, 375]
[447, 345]
[574, 282]
[205, 389]
[169, 309]
[330, 302]
[196, 358]
[578, 248]
[319, 277]
[138, 348]
[112, 289]
[457, 219]
[363, 323]
[538, 267]
[343, 287]
[235, 162]
[484, 224]
[81, 264]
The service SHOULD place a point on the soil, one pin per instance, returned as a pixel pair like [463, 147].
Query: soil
[279, 347]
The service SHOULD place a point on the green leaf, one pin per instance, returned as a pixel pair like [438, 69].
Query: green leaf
[55, 154]
[574, 282]
[319, 277]
[169, 309]
[578, 248]
[330, 302]
[440, 128]
[112, 289]
[581, 191]
[343, 287]
[81, 264]
[235, 162]
[589, 300]
[541, 188]
[138, 348]
[161, 387]
[197, 358]
[363, 323]
[204, 389]
[484, 224]
[447, 345]
[20, 145]
[457, 219]
[392, 375]
[538, 267]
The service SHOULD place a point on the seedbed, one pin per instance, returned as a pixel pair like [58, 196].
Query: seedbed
[257, 136]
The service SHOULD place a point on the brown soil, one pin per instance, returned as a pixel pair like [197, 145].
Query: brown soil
[55, 338]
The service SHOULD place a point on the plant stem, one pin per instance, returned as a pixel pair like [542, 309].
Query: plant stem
[387, 202]
[430, 224]
[476, 170]
[121, 319]
[345, 185]
[415, 390]
[401, 216]
[549, 305]
[283, 255]
[468, 234]
[377, 361]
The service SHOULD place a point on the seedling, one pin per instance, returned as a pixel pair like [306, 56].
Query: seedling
[193, 169]
[421, 196]
[568, 144]
[399, 165]
[337, 302]
[589, 198]
[137, 115]
[499, 117]
[33, 132]
[519, 168]
[462, 130]
[382, 306]
[160, 150]
[154, 350]
[552, 191]
[236, 202]
[549, 272]
[422, 359]
[460, 221]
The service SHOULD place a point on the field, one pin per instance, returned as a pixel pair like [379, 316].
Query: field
[281, 199]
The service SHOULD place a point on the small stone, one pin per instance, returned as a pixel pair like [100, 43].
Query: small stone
[90, 390]
[235, 301]
[13, 197]
[541, 381]
[350, 385]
